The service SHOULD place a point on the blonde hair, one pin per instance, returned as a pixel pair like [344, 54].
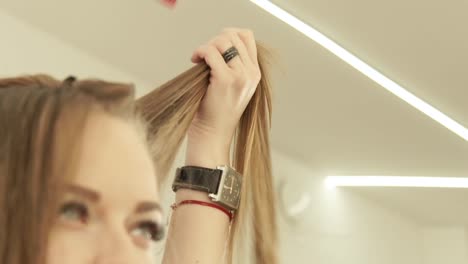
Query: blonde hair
[168, 112]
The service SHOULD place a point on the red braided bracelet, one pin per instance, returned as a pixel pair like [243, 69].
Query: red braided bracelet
[212, 205]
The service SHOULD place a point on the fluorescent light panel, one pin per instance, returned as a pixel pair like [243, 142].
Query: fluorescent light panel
[363, 67]
[396, 181]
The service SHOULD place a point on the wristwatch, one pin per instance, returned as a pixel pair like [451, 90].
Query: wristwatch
[222, 184]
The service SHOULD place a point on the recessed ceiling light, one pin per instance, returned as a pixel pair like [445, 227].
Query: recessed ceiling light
[364, 68]
[396, 181]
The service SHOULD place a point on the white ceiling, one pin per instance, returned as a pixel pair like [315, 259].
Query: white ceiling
[327, 115]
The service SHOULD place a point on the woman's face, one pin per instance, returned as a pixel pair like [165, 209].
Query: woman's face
[110, 212]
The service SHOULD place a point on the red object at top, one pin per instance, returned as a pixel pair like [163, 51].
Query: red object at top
[169, 3]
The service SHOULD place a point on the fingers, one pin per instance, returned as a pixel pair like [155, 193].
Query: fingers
[244, 65]
[239, 44]
[212, 57]
[196, 58]
[248, 38]
[232, 83]
[223, 43]
[248, 48]
[242, 39]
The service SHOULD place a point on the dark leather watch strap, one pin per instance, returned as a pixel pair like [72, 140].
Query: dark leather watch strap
[197, 178]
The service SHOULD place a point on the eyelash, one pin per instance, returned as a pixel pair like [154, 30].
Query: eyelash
[152, 230]
[75, 207]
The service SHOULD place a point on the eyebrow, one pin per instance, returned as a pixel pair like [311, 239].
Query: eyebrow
[83, 192]
[144, 207]
[93, 196]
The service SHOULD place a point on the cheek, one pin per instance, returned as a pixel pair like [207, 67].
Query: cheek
[69, 247]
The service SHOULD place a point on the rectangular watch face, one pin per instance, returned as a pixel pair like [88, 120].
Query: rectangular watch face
[230, 191]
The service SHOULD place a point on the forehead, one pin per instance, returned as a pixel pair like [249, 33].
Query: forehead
[114, 160]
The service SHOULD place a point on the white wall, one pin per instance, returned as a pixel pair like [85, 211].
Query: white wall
[27, 50]
[341, 227]
[445, 245]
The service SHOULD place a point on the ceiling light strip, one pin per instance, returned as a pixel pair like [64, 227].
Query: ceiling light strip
[364, 68]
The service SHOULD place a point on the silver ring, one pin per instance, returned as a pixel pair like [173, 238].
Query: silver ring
[230, 54]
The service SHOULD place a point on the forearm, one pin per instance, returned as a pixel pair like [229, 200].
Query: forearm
[198, 234]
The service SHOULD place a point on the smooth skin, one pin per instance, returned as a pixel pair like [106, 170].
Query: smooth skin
[199, 234]
[111, 212]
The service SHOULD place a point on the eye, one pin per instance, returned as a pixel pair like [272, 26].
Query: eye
[149, 230]
[74, 212]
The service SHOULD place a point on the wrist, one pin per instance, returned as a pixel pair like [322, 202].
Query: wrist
[187, 194]
[208, 152]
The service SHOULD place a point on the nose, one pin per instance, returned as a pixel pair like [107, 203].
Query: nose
[116, 247]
